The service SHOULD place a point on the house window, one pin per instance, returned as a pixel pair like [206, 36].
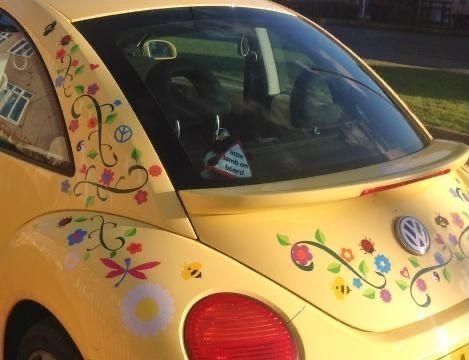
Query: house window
[13, 103]
[4, 36]
[21, 48]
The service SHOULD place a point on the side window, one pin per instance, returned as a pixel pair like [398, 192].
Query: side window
[31, 120]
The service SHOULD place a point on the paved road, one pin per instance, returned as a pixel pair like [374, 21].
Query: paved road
[409, 48]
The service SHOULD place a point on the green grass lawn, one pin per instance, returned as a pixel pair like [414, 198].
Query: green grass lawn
[439, 98]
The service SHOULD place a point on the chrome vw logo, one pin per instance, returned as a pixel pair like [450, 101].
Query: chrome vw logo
[412, 235]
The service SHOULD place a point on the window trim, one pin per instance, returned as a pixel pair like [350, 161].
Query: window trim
[69, 169]
[21, 95]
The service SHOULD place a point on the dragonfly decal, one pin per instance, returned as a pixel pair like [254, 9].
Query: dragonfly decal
[136, 271]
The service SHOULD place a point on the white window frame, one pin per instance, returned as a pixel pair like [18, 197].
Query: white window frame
[25, 50]
[4, 36]
[11, 90]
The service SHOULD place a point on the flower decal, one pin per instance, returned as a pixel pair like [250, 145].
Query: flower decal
[106, 177]
[155, 170]
[421, 285]
[457, 220]
[382, 263]
[141, 197]
[65, 221]
[134, 248]
[347, 255]
[357, 283]
[92, 122]
[453, 239]
[65, 186]
[76, 237]
[301, 254]
[439, 258]
[74, 125]
[385, 295]
[93, 89]
[147, 310]
[71, 261]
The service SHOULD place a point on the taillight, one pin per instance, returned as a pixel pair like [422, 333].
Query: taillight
[228, 326]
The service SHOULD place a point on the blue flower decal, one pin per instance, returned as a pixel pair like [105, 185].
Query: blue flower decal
[382, 263]
[439, 258]
[76, 237]
[357, 283]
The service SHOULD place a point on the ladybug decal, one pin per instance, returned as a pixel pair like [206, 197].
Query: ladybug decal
[441, 221]
[367, 246]
[65, 40]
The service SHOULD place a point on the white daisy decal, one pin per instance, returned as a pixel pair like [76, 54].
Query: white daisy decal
[147, 310]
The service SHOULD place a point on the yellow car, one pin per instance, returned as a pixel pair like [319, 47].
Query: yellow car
[218, 180]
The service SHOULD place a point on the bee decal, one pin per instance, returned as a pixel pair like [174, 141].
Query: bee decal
[340, 288]
[441, 221]
[193, 270]
[367, 246]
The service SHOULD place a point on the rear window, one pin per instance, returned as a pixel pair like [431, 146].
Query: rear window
[253, 96]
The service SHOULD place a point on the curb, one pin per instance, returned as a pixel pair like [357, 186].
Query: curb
[441, 133]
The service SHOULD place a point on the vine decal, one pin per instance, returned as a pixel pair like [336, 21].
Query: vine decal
[369, 283]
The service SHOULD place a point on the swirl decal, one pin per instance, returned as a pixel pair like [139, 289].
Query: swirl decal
[464, 237]
[103, 148]
[424, 271]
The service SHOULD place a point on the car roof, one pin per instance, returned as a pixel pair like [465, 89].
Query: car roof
[88, 9]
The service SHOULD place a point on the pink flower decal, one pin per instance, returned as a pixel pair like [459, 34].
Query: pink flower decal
[421, 285]
[439, 239]
[74, 125]
[301, 254]
[107, 177]
[457, 220]
[385, 295]
[134, 248]
[141, 197]
[75, 63]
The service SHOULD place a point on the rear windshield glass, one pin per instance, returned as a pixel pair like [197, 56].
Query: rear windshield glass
[254, 96]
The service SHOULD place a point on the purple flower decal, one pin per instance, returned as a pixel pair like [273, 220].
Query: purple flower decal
[65, 186]
[106, 177]
[59, 81]
[93, 89]
[385, 295]
[421, 285]
[76, 237]
[439, 258]
[453, 239]
[301, 254]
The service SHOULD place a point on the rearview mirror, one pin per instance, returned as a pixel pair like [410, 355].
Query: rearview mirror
[159, 50]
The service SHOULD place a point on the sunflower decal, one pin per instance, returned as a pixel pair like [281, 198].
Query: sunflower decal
[147, 310]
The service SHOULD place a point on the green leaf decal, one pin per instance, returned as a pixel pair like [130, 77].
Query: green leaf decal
[92, 154]
[74, 49]
[136, 154]
[447, 274]
[112, 254]
[80, 219]
[320, 237]
[80, 70]
[89, 201]
[414, 262]
[130, 232]
[87, 256]
[459, 256]
[80, 89]
[283, 240]
[110, 118]
[402, 284]
[369, 293]
[363, 268]
[334, 268]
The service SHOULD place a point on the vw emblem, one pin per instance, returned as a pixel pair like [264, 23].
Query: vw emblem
[412, 235]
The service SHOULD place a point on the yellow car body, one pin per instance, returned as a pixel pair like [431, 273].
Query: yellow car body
[62, 235]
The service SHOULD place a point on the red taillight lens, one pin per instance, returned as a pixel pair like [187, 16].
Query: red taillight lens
[230, 326]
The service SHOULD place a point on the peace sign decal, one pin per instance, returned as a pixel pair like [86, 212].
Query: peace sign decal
[123, 134]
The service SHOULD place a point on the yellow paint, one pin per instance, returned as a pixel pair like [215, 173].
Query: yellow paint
[37, 263]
